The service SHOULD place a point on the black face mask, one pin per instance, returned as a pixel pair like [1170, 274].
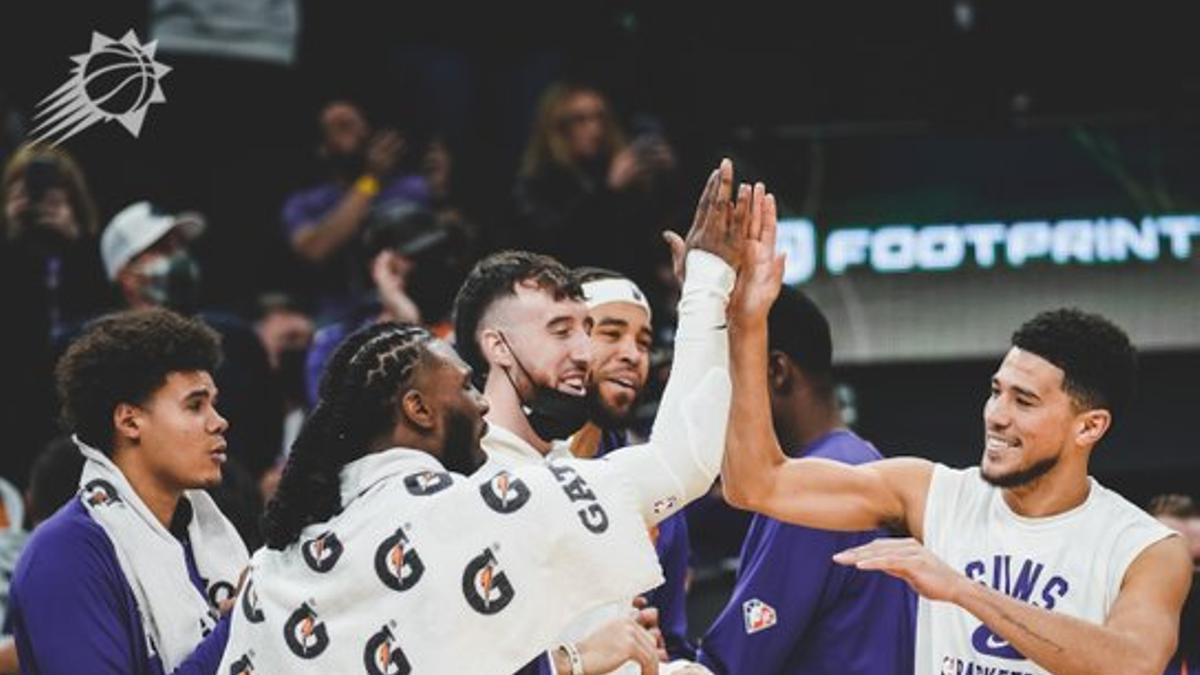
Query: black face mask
[552, 414]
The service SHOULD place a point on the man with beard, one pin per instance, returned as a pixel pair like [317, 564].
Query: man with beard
[522, 322]
[621, 338]
[1024, 564]
[322, 223]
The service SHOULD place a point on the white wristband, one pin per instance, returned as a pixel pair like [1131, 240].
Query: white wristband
[573, 657]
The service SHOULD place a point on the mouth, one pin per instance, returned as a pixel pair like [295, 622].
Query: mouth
[574, 383]
[625, 382]
[218, 454]
[995, 444]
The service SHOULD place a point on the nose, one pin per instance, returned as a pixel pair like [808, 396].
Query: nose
[581, 350]
[995, 414]
[220, 424]
[481, 402]
[629, 352]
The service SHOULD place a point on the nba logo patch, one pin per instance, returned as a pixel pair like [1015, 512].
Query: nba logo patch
[759, 615]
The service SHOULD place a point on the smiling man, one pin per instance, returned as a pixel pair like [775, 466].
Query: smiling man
[1024, 564]
[130, 576]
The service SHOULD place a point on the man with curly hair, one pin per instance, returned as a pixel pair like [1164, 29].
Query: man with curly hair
[1024, 564]
[130, 576]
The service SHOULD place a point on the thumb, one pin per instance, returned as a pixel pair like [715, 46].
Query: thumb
[675, 242]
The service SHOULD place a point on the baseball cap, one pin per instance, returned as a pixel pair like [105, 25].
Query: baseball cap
[136, 228]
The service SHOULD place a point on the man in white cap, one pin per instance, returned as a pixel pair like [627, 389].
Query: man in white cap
[145, 255]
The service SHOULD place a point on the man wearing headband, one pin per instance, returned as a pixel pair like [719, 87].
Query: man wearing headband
[621, 339]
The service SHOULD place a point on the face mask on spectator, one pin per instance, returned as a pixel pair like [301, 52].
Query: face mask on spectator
[172, 281]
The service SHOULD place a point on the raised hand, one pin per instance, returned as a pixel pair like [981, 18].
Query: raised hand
[713, 225]
[761, 274]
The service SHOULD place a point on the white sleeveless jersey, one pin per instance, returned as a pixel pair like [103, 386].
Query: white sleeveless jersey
[1072, 563]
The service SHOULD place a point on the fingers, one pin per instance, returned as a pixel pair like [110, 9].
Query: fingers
[647, 617]
[741, 213]
[882, 547]
[770, 222]
[640, 602]
[645, 653]
[755, 229]
[707, 195]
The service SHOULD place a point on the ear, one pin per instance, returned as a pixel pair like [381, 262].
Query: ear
[127, 422]
[417, 410]
[1093, 424]
[494, 349]
[779, 371]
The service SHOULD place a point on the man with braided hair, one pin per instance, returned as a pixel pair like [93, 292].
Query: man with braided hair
[377, 556]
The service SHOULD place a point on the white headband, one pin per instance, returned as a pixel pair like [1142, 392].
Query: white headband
[604, 291]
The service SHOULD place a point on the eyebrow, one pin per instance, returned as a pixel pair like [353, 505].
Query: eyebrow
[559, 320]
[201, 392]
[612, 321]
[1027, 393]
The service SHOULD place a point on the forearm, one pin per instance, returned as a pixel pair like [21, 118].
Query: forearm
[317, 242]
[752, 453]
[698, 386]
[1057, 642]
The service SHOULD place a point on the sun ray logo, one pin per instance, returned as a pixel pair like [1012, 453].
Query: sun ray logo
[115, 80]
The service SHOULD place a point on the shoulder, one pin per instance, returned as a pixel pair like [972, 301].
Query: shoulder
[68, 545]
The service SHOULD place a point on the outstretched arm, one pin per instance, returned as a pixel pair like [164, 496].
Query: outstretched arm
[683, 455]
[1137, 637]
[756, 475]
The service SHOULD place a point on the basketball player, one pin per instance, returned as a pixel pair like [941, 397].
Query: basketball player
[1024, 564]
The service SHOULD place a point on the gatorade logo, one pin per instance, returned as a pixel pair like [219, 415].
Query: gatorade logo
[219, 592]
[504, 494]
[242, 666]
[397, 563]
[99, 492]
[250, 608]
[486, 587]
[424, 483]
[322, 553]
[305, 636]
[383, 656]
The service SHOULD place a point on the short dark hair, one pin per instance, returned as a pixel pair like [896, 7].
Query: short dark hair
[124, 358]
[1179, 506]
[798, 328]
[1098, 361]
[54, 478]
[496, 277]
[587, 274]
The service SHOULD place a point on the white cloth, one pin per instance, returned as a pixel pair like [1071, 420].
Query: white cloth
[443, 573]
[683, 455]
[174, 616]
[1072, 563]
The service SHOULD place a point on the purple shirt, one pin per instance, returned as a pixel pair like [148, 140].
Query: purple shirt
[794, 610]
[72, 609]
[340, 278]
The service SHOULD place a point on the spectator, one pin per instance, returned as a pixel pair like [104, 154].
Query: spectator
[793, 610]
[586, 196]
[1180, 513]
[398, 242]
[286, 333]
[49, 276]
[323, 223]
